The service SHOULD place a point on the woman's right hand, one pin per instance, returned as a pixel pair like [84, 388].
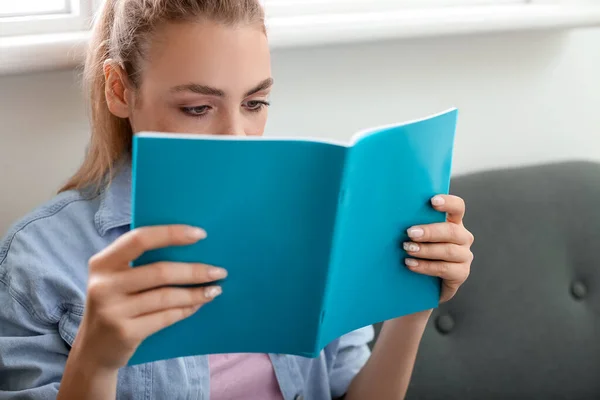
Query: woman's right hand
[125, 305]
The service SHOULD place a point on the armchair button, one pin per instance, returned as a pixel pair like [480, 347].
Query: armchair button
[578, 290]
[444, 324]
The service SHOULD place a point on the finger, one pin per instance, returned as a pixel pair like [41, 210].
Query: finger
[162, 299]
[443, 232]
[455, 273]
[449, 289]
[149, 324]
[166, 274]
[453, 206]
[134, 243]
[439, 251]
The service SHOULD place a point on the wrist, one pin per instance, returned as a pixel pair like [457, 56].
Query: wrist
[85, 355]
[88, 365]
[85, 377]
[417, 319]
[387, 373]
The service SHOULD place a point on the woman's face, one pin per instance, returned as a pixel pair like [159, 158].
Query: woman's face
[203, 78]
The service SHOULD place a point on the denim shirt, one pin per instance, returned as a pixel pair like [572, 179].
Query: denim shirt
[43, 276]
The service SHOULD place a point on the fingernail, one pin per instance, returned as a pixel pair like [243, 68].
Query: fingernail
[411, 262]
[212, 292]
[412, 247]
[217, 273]
[195, 233]
[438, 201]
[415, 232]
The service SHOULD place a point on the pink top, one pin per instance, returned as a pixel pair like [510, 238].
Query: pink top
[243, 376]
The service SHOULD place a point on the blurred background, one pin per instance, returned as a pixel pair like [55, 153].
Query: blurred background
[525, 76]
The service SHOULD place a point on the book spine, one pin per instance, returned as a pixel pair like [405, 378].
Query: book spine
[134, 163]
[342, 195]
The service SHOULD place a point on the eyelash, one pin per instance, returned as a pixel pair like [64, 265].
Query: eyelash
[258, 106]
[189, 111]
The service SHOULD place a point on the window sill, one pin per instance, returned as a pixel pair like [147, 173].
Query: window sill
[58, 51]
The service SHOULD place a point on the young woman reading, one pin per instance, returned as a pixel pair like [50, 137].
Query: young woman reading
[73, 311]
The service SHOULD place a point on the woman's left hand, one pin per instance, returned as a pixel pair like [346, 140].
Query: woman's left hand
[442, 249]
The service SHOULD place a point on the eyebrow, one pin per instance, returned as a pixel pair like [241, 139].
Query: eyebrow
[200, 89]
[212, 91]
[264, 85]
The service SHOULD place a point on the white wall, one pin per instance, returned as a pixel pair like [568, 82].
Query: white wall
[524, 98]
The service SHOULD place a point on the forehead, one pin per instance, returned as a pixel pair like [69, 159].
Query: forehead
[233, 58]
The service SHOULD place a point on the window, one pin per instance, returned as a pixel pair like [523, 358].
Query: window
[285, 8]
[42, 34]
[34, 7]
[30, 17]
[309, 22]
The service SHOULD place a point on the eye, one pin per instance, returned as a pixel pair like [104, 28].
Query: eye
[197, 111]
[256, 105]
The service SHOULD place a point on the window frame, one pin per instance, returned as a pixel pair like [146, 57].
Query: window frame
[77, 17]
[54, 43]
[66, 9]
[295, 8]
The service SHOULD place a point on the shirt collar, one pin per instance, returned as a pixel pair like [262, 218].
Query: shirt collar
[115, 201]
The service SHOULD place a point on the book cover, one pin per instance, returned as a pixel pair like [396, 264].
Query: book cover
[310, 231]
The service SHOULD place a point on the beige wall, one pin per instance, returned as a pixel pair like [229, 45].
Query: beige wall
[524, 99]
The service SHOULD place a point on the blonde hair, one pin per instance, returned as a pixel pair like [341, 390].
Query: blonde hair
[122, 33]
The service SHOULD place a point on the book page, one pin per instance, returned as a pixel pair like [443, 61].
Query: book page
[268, 208]
[369, 131]
[265, 138]
[390, 177]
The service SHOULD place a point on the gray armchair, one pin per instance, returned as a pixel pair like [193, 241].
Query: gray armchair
[526, 325]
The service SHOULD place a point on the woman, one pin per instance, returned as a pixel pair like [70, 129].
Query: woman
[73, 312]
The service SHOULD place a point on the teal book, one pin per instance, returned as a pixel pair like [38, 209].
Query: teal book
[310, 231]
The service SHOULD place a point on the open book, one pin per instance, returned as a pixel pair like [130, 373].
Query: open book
[310, 231]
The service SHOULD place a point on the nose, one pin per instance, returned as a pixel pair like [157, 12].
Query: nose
[232, 124]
